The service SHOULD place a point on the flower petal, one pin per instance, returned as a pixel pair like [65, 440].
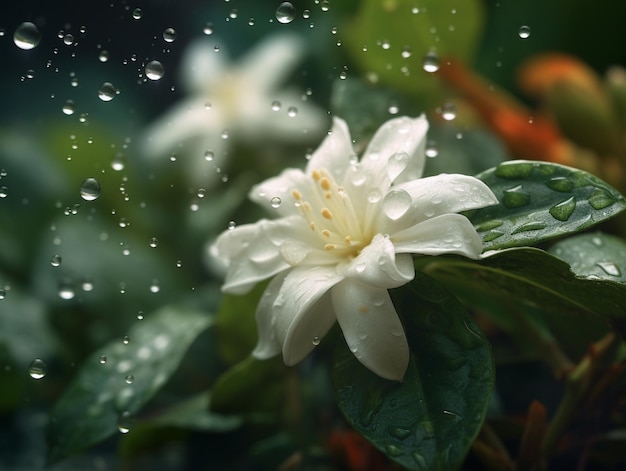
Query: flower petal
[378, 266]
[445, 234]
[334, 152]
[251, 256]
[269, 62]
[436, 195]
[396, 152]
[202, 66]
[371, 328]
[292, 312]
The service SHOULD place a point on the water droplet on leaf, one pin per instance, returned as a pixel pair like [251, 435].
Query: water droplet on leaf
[515, 197]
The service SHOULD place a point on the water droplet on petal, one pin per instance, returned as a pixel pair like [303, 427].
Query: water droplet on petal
[27, 36]
[396, 203]
[154, 70]
[275, 202]
[169, 35]
[37, 369]
[285, 13]
[431, 62]
[231, 225]
[396, 164]
[107, 91]
[90, 189]
[524, 32]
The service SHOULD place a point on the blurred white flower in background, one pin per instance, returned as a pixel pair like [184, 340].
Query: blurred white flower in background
[232, 102]
[344, 235]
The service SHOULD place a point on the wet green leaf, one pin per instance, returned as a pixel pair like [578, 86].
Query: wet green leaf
[117, 380]
[529, 275]
[428, 421]
[594, 255]
[391, 38]
[539, 201]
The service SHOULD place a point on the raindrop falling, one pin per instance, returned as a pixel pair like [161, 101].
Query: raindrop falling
[107, 91]
[56, 260]
[169, 35]
[275, 202]
[26, 36]
[69, 107]
[90, 189]
[285, 13]
[431, 62]
[37, 369]
[154, 70]
[524, 32]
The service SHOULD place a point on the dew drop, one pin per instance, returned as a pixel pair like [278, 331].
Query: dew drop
[208, 29]
[27, 36]
[515, 197]
[524, 32]
[3, 294]
[610, 268]
[102, 360]
[316, 341]
[374, 195]
[396, 203]
[37, 369]
[124, 422]
[169, 35]
[231, 225]
[324, 5]
[154, 70]
[87, 285]
[154, 242]
[107, 91]
[66, 290]
[448, 111]
[68, 39]
[90, 189]
[56, 260]
[154, 287]
[563, 210]
[129, 379]
[125, 340]
[431, 62]
[292, 112]
[431, 149]
[560, 184]
[276, 106]
[103, 56]
[400, 433]
[4, 191]
[396, 165]
[306, 14]
[406, 52]
[69, 107]
[285, 13]
[137, 13]
[117, 164]
[275, 202]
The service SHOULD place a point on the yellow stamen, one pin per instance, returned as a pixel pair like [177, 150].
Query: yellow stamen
[297, 195]
[316, 175]
[326, 233]
[348, 240]
[327, 214]
[328, 195]
[363, 309]
[330, 246]
[325, 184]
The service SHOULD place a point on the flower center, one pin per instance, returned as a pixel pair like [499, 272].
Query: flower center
[331, 216]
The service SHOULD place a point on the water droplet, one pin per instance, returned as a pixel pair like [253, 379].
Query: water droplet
[124, 223]
[610, 268]
[4, 191]
[515, 197]
[129, 379]
[597, 241]
[66, 289]
[37, 369]
[90, 189]
[231, 225]
[406, 52]
[69, 107]
[169, 35]
[400, 432]
[316, 341]
[26, 36]
[561, 184]
[154, 70]
[103, 56]
[396, 203]
[125, 340]
[564, 209]
[208, 29]
[601, 199]
[396, 164]
[493, 235]
[154, 242]
[325, 6]
[306, 14]
[124, 422]
[107, 91]
[275, 202]
[3, 294]
[68, 39]
[285, 13]
[420, 461]
[393, 450]
[524, 32]
[137, 13]
[431, 62]
[56, 260]
[276, 106]
[102, 360]
[448, 111]
[374, 195]
[154, 287]
[292, 112]
[529, 226]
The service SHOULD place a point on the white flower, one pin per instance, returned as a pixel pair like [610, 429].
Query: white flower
[228, 102]
[343, 237]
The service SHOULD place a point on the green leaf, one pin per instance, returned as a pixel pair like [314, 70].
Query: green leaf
[540, 201]
[594, 255]
[529, 275]
[390, 39]
[250, 387]
[428, 421]
[103, 395]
